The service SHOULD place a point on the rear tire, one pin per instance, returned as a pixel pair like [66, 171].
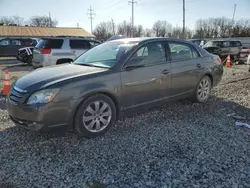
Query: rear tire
[203, 90]
[95, 116]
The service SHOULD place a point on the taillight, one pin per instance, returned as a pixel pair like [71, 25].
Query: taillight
[219, 60]
[45, 51]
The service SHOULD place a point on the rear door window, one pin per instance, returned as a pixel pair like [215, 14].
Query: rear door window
[180, 51]
[25, 42]
[225, 44]
[79, 44]
[236, 44]
[16, 42]
[50, 43]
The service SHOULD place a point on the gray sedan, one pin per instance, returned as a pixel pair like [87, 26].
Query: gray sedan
[105, 82]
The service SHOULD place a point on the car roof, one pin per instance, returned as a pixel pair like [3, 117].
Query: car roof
[225, 40]
[147, 39]
[79, 38]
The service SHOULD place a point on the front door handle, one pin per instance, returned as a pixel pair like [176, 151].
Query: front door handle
[198, 65]
[165, 71]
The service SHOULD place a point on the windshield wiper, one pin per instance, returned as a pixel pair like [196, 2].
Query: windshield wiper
[91, 65]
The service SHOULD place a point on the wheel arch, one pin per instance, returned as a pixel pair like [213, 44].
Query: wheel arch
[209, 75]
[101, 92]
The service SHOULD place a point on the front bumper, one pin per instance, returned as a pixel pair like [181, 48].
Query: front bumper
[50, 117]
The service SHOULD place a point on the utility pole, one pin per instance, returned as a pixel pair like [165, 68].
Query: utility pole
[50, 22]
[183, 27]
[235, 5]
[234, 12]
[132, 2]
[91, 17]
[113, 26]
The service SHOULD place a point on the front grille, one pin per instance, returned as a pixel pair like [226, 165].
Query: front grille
[17, 96]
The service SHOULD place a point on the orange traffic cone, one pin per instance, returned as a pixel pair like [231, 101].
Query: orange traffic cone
[6, 83]
[228, 63]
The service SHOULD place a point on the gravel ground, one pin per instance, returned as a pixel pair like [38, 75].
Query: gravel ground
[179, 145]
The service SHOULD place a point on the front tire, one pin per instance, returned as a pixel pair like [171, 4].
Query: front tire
[29, 60]
[95, 116]
[203, 90]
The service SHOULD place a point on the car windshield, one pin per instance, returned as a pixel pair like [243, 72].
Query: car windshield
[105, 55]
[212, 44]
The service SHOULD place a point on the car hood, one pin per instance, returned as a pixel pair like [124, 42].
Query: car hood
[45, 77]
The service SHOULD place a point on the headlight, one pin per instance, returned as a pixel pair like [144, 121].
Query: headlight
[43, 96]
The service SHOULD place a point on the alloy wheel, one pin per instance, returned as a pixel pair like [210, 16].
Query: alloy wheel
[204, 88]
[97, 116]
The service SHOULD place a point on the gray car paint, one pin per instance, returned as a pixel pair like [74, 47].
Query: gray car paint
[129, 88]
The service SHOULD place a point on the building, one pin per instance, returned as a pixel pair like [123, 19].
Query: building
[39, 32]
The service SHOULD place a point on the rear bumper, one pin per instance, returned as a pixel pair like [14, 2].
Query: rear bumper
[41, 60]
[45, 117]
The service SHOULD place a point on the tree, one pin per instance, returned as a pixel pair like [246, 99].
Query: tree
[43, 21]
[138, 31]
[124, 29]
[176, 32]
[17, 20]
[241, 28]
[162, 28]
[148, 33]
[221, 27]
[103, 31]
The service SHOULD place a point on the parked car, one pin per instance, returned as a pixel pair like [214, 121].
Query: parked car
[59, 50]
[248, 62]
[115, 37]
[223, 48]
[109, 80]
[243, 55]
[25, 54]
[198, 42]
[9, 46]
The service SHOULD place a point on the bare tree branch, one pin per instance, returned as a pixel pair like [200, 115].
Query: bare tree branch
[103, 31]
[42, 21]
[17, 20]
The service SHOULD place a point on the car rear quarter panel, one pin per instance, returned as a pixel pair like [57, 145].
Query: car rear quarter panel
[213, 69]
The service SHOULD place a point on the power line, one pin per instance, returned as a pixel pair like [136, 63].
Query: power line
[91, 17]
[110, 7]
[132, 2]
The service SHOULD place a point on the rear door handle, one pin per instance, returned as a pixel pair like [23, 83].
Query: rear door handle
[165, 71]
[198, 65]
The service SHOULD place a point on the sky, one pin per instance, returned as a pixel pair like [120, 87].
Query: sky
[146, 12]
